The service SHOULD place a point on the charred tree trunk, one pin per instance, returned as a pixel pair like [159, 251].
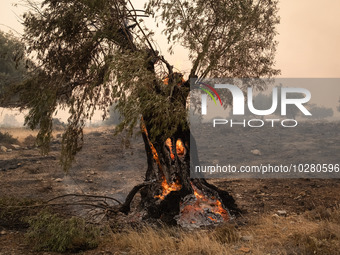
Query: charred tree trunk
[170, 194]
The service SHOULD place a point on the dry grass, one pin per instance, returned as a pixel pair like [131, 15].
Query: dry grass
[174, 241]
[324, 240]
[270, 234]
[314, 232]
[324, 214]
[21, 133]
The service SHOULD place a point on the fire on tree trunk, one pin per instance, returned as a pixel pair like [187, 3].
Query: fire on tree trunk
[169, 194]
[172, 196]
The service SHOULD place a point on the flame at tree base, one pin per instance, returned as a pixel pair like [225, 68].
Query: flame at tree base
[167, 188]
[200, 210]
[196, 210]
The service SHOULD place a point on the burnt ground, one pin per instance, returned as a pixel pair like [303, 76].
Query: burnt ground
[106, 167]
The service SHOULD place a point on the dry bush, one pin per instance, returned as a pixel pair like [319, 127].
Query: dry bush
[325, 239]
[30, 140]
[316, 232]
[7, 139]
[51, 232]
[270, 234]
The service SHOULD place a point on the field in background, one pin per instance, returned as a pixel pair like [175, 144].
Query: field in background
[22, 133]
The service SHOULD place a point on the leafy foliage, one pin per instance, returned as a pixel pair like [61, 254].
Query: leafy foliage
[95, 53]
[79, 45]
[13, 211]
[225, 38]
[50, 232]
[12, 63]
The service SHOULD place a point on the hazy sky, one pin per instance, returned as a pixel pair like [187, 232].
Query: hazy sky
[309, 37]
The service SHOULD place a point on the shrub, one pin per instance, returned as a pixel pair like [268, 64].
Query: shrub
[51, 232]
[14, 211]
[30, 140]
[6, 138]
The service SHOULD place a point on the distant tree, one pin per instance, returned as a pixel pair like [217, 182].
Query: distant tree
[12, 64]
[93, 53]
[291, 110]
[320, 112]
[9, 121]
[260, 102]
[58, 124]
[114, 117]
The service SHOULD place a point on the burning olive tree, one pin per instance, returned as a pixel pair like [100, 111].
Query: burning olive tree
[95, 53]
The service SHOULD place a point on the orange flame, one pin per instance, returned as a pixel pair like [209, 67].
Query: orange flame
[154, 152]
[173, 186]
[201, 200]
[180, 150]
[167, 188]
[212, 218]
[169, 144]
[215, 204]
[166, 81]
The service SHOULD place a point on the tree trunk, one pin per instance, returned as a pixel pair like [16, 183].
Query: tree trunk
[172, 195]
[169, 193]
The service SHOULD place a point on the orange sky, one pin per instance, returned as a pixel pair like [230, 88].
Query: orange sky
[309, 37]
